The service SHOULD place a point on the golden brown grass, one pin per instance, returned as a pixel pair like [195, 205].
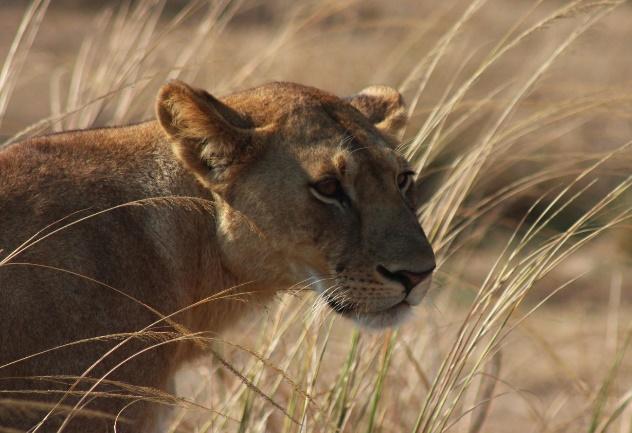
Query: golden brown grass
[520, 132]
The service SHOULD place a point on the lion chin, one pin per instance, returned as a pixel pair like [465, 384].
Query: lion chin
[392, 317]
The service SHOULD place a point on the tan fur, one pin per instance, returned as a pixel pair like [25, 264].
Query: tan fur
[140, 222]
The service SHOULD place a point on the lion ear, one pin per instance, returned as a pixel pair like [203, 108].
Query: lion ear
[383, 106]
[208, 136]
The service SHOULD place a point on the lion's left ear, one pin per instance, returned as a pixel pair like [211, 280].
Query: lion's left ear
[383, 106]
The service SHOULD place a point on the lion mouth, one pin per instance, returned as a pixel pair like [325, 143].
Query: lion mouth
[352, 310]
[389, 315]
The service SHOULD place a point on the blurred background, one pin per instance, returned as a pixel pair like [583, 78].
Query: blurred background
[542, 90]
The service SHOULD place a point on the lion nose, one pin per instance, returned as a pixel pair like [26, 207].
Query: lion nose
[409, 279]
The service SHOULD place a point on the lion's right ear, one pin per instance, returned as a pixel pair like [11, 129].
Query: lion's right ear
[384, 107]
[208, 136]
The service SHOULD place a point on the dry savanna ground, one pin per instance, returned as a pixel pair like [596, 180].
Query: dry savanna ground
[521, 115]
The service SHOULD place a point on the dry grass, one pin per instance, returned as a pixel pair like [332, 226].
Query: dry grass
[520, 130]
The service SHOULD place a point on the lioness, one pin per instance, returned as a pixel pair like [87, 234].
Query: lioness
[115, 231]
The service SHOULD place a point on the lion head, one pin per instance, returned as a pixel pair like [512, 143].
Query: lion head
[309, 191]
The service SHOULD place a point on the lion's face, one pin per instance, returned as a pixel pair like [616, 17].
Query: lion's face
[310, 191]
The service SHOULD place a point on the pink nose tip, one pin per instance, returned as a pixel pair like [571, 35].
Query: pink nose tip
[408, 279]
[414, 277]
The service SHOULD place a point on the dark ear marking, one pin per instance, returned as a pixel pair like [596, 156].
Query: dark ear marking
[383, 106]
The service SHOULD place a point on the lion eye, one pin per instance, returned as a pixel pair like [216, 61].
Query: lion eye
[328, 187]
[404, 180]
[328, 190]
